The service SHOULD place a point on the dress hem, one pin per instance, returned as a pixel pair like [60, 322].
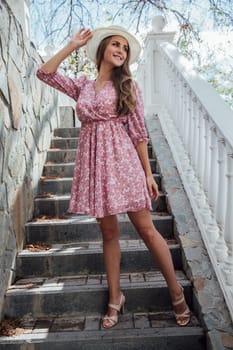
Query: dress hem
[88, 212]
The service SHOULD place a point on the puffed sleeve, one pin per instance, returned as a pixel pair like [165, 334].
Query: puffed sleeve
[136, 125]
[67, 85]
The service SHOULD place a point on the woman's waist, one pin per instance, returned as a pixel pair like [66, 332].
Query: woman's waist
[122, 119]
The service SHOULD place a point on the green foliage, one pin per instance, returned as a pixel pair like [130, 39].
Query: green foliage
[78, 63]
[221, 79]
[53, 23]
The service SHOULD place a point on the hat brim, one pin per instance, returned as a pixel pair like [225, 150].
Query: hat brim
[101, 33]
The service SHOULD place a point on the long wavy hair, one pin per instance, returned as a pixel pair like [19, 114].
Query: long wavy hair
[122, 80]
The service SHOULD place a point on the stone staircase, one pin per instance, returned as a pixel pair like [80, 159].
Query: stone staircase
[60, 291]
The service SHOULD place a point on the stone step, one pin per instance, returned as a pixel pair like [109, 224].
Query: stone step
[62, 185]
[65, 143]
[86, 258]
[149, 331]
[55, 185]
[67, 169]
[58, 170]
[61, 156]
[66, 132]
[84, 228]
[57, 206]
[72, 295]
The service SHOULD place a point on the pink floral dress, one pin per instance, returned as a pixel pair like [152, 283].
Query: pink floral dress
[108, 175]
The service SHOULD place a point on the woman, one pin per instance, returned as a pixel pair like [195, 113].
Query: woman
[112, 171]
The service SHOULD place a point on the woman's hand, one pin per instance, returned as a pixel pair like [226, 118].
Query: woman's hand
[81, 38]
[152, 187]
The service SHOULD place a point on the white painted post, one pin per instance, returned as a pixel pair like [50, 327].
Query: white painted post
[212, 228]
[207, 156]
[220, 246]
[152, 68]
[201, 151]
[228, 232]
[187, 118]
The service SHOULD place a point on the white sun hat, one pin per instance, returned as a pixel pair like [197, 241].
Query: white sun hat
[101, 33]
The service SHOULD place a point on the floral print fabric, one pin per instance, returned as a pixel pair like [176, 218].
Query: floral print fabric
[108, 175]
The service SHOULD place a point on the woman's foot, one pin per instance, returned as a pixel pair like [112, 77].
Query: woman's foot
[111, 318]
[181, 309]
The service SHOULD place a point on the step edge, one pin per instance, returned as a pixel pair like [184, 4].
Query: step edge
[75, 220]
[25, 253]
[50, 289]
[88, 335]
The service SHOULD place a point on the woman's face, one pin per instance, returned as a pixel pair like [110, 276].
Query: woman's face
[116, 51]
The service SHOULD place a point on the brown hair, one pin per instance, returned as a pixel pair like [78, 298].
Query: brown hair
[122, 80]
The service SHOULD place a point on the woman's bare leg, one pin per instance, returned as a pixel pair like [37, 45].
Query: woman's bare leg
[160, 252]
[111, 249]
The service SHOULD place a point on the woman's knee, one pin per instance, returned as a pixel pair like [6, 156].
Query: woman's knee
[109, 228]
[147, 233]
[110, 234]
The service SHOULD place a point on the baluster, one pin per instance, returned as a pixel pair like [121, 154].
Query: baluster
[213, 183]
[190, 171]
[187, 119]
[195, 134]
[197, 140]
[165, 81]
[201, 155]
[220, 246]
[228, 231]
[181, 108]
[180, 94]
[200, 198]
[212, 228]
[160, 73]
[191, 123]
[207, 137]
[173, 109]
[205, 210]
[167, 86]
[170, 88]
[187, 127]
[177, 102]
[162, 77]
[185, 116]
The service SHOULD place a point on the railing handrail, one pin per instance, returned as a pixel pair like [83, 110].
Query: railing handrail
[215, 106]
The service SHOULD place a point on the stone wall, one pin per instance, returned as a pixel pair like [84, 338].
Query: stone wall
[28, 115]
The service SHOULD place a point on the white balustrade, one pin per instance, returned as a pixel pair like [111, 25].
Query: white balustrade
[228, 231]
[221, 202]
[198, 126]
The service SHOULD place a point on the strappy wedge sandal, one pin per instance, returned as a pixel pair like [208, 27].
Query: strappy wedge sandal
[113, 320]
[183, 318]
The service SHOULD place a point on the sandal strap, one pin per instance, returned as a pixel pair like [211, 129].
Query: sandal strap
[115, 306]
[112, 319]
[184, 314]
[178, 302]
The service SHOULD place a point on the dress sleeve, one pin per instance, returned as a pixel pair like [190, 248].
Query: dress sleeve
[136, 125]
[67, 85]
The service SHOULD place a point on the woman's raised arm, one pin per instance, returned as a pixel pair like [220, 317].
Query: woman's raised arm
[79, 39]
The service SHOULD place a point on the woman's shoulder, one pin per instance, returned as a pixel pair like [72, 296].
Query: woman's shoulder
[83, 80]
